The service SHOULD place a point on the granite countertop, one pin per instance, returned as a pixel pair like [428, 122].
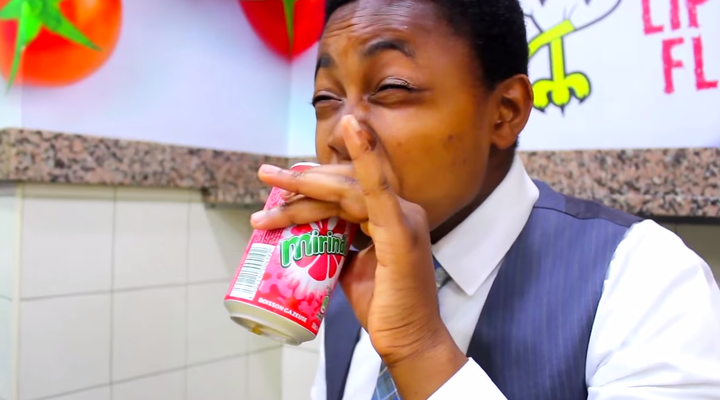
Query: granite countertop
[649, 182]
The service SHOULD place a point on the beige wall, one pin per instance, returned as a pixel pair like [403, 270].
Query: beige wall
[704, 239]
[116, 292]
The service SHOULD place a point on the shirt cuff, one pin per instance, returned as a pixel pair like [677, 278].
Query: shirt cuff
[469, 383]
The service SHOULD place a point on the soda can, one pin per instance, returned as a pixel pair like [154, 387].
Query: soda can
[286, 277]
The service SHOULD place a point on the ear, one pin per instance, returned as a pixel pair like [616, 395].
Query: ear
[513, 100]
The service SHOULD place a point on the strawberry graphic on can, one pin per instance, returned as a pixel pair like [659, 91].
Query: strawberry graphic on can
[286, 277]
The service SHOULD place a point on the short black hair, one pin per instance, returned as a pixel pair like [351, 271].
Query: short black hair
[495, 29]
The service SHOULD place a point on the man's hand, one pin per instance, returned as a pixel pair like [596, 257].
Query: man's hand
[391, 284]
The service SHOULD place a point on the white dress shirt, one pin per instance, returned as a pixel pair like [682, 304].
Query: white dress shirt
[656, 333]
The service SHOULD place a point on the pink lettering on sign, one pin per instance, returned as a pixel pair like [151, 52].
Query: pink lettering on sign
[648, 25]
[700, 82]
[669, 62]
[675, 14]
[692, 12]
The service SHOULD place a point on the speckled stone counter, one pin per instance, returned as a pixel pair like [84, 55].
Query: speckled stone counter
[654, 182]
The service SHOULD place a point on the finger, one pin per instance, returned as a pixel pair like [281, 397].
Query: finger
[287, 194]
[339, 169]
[331, 187]
[381, 201]
[289, 197]
[302, 211]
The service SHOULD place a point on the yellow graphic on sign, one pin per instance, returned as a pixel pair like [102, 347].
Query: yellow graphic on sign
[556, 19]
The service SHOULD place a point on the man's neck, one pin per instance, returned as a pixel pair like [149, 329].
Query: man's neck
[499, 164]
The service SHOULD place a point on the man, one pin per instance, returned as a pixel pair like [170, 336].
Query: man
[478, 283]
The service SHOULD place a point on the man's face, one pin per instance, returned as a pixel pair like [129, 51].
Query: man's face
[415, 85]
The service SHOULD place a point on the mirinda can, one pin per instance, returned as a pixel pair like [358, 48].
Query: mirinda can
[286, 277]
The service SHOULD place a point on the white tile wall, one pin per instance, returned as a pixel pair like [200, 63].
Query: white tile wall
[9, 265]
[9, 238]
[223, 380]
[148, 331]
[264, 375]
[260, 343]
[64, 344]
[167, 386]
[151, 237]
[7, 373]
[102, 393]
[298, 372]
[217, 242]
[107, 308]
[66, 240]
[212, 334]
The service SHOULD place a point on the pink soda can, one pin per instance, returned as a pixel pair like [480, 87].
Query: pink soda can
[286, 277]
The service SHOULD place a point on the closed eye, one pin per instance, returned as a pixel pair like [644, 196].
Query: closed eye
[395, 92]
[322, 97]
[400, 85]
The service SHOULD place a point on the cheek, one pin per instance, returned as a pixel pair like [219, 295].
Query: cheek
[442, 172]
[432, 163]
[323, 152]
[461, 150]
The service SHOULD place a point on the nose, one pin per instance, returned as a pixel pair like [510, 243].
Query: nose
[336, 143]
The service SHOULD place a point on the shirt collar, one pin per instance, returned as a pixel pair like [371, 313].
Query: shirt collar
[471, 251]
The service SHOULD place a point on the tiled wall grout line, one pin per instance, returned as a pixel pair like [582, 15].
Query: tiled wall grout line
[265, 350]
[123, 290]
[216, 360]
[17, 318]
[209, 281]
[150, 375]
[112, 293]
[65, 295]
[247, 371]
[69, 392]
[187, 297]
[303, 349]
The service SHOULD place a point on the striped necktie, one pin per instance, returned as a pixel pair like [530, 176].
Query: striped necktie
[385, 388]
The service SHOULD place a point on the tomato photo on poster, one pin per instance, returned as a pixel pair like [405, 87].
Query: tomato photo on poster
[56, 42]
[288, 27]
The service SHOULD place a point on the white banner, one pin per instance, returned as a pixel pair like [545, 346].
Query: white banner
[623, 74]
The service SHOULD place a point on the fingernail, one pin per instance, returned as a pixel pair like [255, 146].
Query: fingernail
[269, 169]
[257, 217]
[286, 194]
[354, 124]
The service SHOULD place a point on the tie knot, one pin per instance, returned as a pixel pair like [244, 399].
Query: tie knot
[441, 276]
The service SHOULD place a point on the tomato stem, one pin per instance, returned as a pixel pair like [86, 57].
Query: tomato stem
[32, 16]
[289, 8]
[289, 11]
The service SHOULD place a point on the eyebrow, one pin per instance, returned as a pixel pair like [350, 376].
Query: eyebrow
[379, 46]
[388, 45]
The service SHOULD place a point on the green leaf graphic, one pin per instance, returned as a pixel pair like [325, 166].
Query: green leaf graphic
[289, 8]
[289, 11]
[32, 16]
[11, 10]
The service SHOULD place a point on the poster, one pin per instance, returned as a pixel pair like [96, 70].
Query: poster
[606, 73]
[623, 74]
